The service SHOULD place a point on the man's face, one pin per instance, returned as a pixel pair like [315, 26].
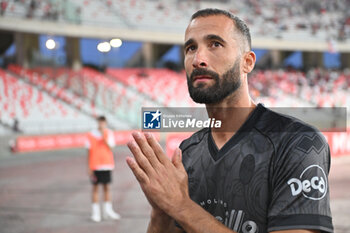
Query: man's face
[212, 59]
[102, 125]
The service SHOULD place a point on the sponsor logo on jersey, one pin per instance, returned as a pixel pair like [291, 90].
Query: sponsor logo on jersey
[312, 183]
[233, 219]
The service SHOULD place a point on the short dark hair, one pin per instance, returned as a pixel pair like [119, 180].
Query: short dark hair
[101, 118]
[240, 24]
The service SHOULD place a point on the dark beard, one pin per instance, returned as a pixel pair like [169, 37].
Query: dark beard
[223, 87]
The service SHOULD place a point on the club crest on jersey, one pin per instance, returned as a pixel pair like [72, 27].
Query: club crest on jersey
[312, 183]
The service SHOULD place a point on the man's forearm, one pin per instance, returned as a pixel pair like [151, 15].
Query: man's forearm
[194, 219]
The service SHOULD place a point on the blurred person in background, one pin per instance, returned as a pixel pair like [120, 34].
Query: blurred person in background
[100, 165]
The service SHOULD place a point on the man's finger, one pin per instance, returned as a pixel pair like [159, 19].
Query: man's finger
[158, 150]
[140, 158]
[146, 149]
[177, 159]
[138, 172]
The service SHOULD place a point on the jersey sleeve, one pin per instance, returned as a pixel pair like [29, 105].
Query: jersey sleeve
[111, 139]
[299, 185]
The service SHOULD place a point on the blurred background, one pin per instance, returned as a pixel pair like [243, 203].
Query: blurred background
[64, 62]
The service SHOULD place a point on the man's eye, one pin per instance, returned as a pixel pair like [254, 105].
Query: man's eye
[216, 44]
[190, 48]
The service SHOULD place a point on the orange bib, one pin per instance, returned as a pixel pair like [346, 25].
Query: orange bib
[100, 155]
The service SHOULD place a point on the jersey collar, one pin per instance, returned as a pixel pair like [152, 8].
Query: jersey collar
[243, 130]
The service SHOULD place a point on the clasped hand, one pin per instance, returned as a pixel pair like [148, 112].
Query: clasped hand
[163, 181]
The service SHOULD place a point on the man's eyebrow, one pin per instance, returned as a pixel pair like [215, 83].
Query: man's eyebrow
[188, 42]
[215, 37]
[207, 37]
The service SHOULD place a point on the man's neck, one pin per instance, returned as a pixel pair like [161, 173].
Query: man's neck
[232, 112]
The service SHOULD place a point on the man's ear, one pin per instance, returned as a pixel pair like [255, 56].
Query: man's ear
[249, 59]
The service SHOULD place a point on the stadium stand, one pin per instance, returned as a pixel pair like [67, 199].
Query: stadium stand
[318, 87]
[65, 95]
[100, 91]
[124, 91]
[91, 92]
[293, 19]
[35, 110]
[164, 86]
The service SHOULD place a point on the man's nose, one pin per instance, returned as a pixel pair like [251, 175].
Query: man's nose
[200, 59]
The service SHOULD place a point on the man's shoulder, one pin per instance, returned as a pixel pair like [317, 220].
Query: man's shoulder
[288, 134]
[282, 126]
[194, 139]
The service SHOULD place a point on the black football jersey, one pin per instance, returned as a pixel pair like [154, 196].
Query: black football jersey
[271, 175]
